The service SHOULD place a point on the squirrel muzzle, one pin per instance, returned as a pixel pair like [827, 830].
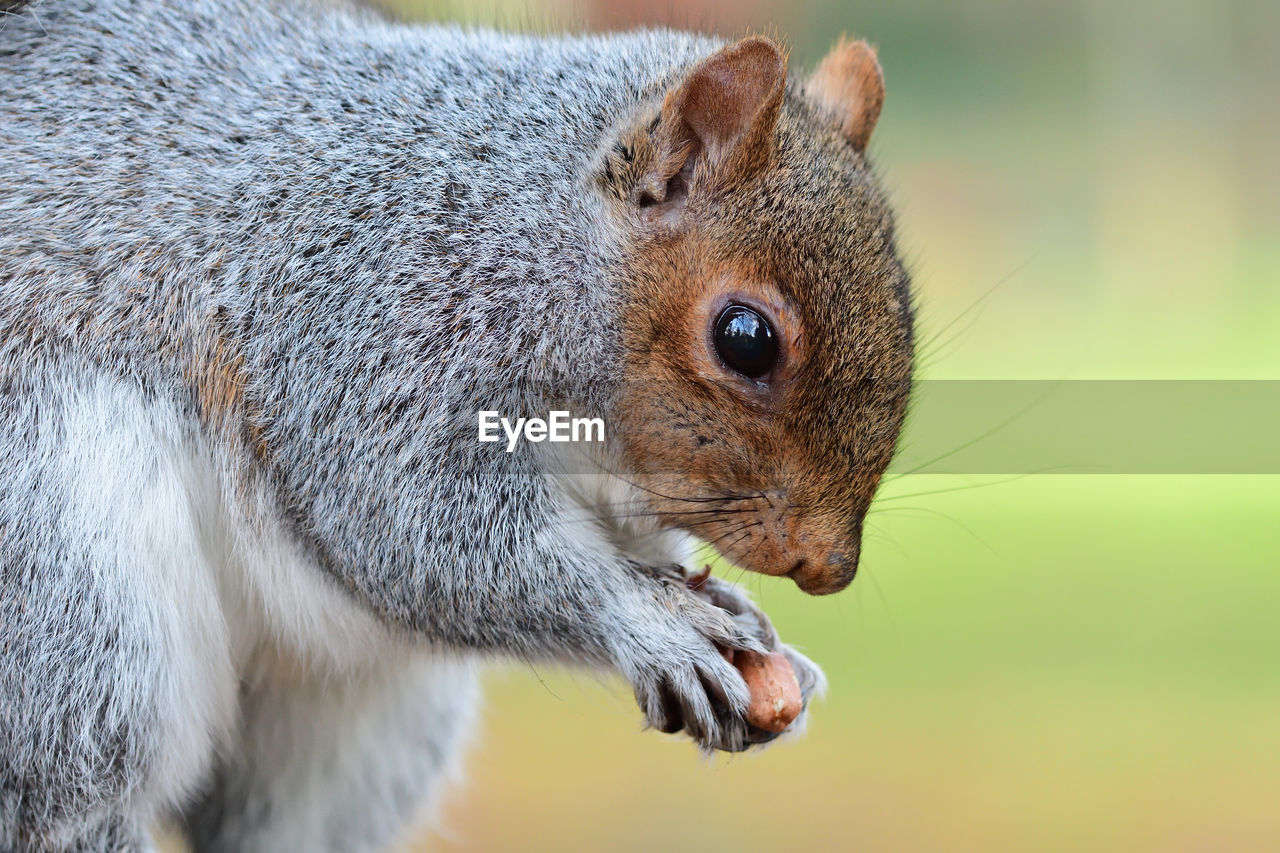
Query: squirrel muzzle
[831, 571]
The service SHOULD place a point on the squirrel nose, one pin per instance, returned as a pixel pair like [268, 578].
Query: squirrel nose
[840, 564]
[832, 574]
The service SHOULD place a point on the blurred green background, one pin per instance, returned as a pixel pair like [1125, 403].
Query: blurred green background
[1086, 190]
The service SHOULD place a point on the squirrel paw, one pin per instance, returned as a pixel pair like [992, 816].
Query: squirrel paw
[678, 663]
[734, 599]
[672, 657]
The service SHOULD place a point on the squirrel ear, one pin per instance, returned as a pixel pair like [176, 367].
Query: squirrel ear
[718, 124]
[849, 86]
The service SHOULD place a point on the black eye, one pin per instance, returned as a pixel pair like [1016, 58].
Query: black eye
[745, 342]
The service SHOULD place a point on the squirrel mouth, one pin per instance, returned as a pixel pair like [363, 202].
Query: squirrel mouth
[812, 579]
[696, 580]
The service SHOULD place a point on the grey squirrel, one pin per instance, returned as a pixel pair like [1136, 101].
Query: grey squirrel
[257, 259]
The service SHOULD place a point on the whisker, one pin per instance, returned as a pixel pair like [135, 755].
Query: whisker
[745, 531]
[934, 512]
[663, 512]
[933, 346]
[1012, 479]
[884, 602]
[726, 497]
[1037, 400]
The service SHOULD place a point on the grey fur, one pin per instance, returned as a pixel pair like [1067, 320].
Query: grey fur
[255, 260]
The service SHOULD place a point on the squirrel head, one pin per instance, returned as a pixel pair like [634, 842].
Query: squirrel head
[766, 323]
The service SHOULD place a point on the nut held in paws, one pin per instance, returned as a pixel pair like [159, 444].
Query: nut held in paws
[775, 692]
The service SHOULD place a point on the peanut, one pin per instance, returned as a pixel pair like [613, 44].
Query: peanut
[776, 700]
[775, 692]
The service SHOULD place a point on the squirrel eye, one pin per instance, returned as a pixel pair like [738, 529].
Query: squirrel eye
[745, 342]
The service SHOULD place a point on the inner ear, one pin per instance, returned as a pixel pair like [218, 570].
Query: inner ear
[717, 127]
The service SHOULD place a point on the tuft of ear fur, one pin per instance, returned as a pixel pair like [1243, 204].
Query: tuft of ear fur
[848, 85]
[717, 127]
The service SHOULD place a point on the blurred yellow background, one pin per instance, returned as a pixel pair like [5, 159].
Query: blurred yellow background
[1086, 190]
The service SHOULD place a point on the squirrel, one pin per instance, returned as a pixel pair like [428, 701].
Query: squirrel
[261, 263]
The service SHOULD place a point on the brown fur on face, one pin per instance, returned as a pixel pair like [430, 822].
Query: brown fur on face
[777, 474]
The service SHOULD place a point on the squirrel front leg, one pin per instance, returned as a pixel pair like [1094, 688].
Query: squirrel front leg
[644, 623]
[562, 594]
[666, 640]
